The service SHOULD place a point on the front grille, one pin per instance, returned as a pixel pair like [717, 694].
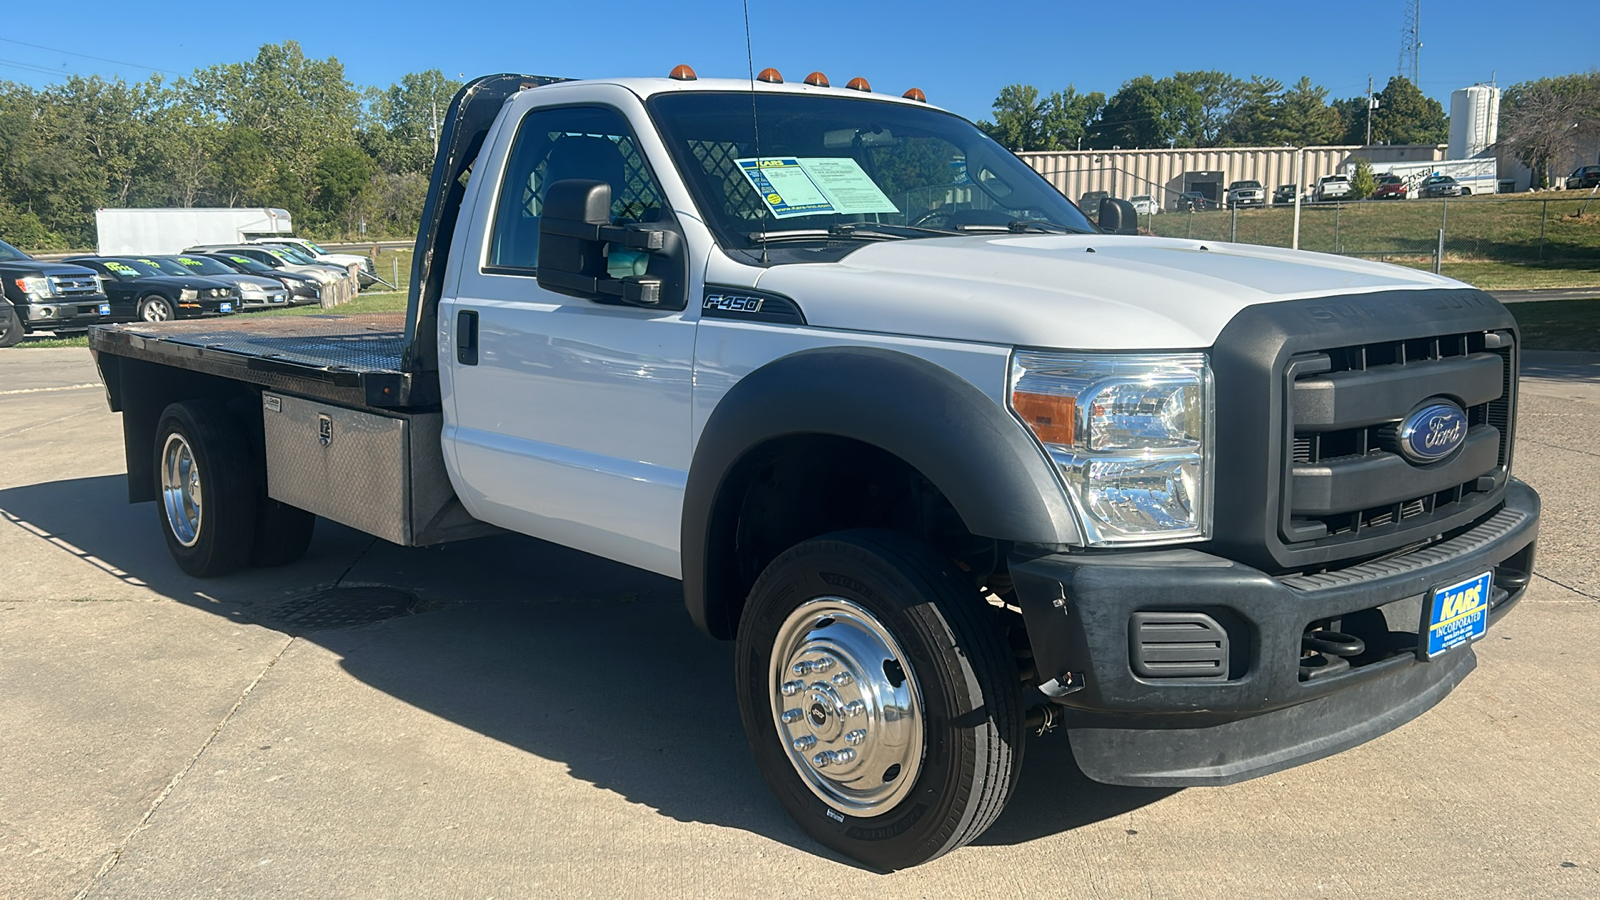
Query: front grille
[74, 285]
[1344, 478]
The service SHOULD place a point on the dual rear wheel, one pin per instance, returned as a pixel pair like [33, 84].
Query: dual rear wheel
[215, 512]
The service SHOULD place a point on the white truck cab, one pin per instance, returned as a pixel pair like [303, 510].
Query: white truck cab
[949, 461]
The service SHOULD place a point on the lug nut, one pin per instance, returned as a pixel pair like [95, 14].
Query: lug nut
[857, 736]
[790, 688]
[803, 667]
[791, 716]
[855, 708]
[803, 743]
[833, 758]
[822, 664]
[842, 679]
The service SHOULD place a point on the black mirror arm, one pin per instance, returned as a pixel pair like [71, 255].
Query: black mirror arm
[632, 237]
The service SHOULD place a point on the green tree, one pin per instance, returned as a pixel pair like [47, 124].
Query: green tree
[1405, 116]
[1136, 116]
[1026, 120]
[1301, 116]
[1363, 183]
[1251, 122]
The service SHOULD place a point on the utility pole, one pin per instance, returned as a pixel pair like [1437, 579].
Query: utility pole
[1370, 105]
[1299, 165]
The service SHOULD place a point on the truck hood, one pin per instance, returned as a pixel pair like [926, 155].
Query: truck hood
[20, 267]
[1104, 292]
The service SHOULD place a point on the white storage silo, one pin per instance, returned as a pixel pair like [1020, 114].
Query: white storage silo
[1474, 120]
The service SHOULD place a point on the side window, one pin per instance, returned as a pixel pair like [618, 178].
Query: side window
[571, 142]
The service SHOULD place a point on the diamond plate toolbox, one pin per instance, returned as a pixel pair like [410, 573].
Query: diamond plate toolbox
[354, 467]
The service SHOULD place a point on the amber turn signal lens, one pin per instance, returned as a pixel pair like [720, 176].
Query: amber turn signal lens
[859, 84]
[770, 76]
[1049, 415]
[682, 73]
[817, 79]
[916, 94]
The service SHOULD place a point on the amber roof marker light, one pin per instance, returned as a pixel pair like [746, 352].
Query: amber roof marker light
[859, 84]
[770, 76]
[916, 94]
[682, 72]
[817, 79]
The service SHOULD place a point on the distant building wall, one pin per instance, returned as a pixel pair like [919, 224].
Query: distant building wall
[1126, 173]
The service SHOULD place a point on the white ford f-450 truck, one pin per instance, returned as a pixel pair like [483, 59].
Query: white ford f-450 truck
[950, 462]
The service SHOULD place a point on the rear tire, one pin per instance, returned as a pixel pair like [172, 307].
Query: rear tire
[10, 326]
[864, 650]
[206, 489]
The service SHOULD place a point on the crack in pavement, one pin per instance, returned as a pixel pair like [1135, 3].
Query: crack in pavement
[51, 422]
[1558, 447]
[1569, 587]
[116, 855]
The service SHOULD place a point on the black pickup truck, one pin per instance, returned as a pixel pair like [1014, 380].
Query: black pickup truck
[46, 295]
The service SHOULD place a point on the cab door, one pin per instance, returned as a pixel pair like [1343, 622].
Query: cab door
[566, 418]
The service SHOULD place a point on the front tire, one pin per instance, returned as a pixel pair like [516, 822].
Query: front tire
[10, 326]
[882, 708]
[156, 308]
[206, 495]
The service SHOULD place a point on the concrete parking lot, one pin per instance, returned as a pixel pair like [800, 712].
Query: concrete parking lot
[507, 718]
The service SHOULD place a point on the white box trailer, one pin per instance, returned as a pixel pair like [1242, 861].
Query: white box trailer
[1479, 176]
[172, 230]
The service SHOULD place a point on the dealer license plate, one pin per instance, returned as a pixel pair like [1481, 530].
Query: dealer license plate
[226, 307]
[1456, 615]
[105, 309]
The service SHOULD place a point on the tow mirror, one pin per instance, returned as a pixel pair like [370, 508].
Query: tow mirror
[1118, 216]
[574, 229]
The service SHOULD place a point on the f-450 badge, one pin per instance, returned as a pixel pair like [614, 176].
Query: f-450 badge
[732, 303]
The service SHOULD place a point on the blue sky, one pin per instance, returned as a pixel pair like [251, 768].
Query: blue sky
[961, 54]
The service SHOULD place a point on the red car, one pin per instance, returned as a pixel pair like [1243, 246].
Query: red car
[1391, 187]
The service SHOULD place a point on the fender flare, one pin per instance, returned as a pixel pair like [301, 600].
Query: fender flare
[971, 448]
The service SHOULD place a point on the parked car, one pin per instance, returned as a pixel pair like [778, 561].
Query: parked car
[1145, 205]
[1332, 187]
[141, 291]
[1090, 202]
[1391, 187]
[1247, 193]
[48, 296]
[303, 289]
[365, 270]
[332, 278]
[1442, 186]
[1283, 195]
[255, 291]
[1583, 178]
[1193, 200]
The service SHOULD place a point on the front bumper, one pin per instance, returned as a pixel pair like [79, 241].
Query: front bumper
[56, 314]
[1262, 715]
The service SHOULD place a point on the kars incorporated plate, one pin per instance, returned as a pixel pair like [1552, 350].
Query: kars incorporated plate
[1456, 615]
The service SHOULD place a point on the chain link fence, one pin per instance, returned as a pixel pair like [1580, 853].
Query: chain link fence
[1453, 236]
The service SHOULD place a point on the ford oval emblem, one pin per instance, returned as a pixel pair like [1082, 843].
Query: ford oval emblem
[1433, 432]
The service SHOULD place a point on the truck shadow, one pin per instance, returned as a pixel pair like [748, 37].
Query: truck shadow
[564, 655]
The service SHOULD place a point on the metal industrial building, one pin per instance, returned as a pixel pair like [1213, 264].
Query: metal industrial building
[1164, 174]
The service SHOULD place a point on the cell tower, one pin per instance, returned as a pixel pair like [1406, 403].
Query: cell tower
[1411, 40]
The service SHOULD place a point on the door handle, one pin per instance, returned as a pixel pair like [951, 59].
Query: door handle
[467, 337]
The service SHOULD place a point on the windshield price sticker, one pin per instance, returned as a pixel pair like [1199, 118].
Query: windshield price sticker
[814, 186]
[1456, 615]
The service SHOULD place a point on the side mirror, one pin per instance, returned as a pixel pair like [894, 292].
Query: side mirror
[1118, 216]
[574, 229]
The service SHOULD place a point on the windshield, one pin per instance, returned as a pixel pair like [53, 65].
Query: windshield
[165, 266]
[199, 265]
[833, 167]
[131, 269]
[248, 264]
[1247, 184]
[314, 248]
[9, 253]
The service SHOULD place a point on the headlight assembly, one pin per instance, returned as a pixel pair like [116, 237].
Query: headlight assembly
[1130, 435]
[188, 294]
[36, 286]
